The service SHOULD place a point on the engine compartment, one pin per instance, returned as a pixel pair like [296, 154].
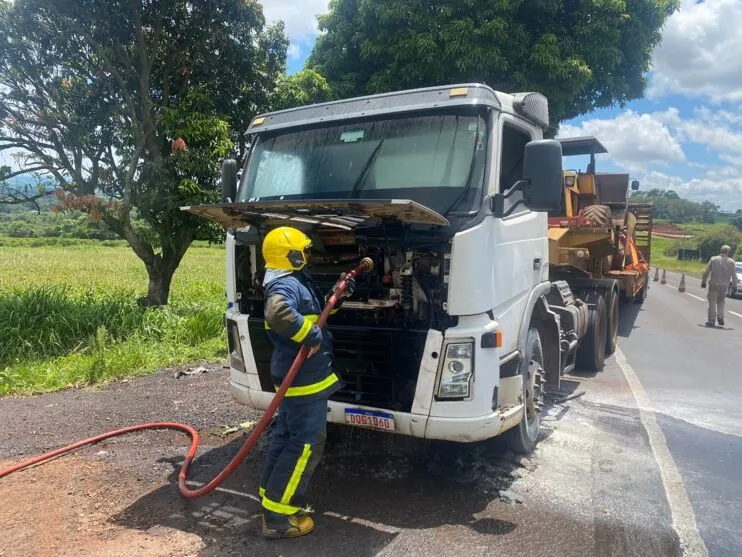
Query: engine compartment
[407, 288]
[380, 332]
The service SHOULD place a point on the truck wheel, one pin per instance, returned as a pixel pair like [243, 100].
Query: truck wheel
[611, 338]
[642, 294]
[522, 438]
[591, 353]
[599, 214]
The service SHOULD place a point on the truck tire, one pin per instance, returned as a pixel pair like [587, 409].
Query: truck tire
[642, 294]
[611, 338]
[599, 214]
[591, 353]
[523, 437]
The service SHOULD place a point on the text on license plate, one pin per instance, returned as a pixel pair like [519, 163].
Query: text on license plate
[369, 418]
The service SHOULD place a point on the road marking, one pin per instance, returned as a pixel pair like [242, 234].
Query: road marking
[683, 517]
[702, 300]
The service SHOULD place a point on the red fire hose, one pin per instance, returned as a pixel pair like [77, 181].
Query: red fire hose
[365, 266]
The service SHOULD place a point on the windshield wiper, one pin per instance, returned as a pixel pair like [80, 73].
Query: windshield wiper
[462, 195]
[364, 171]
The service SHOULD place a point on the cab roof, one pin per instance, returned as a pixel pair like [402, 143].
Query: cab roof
[532, 106]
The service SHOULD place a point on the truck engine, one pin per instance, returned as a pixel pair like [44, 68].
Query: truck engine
[380, 331]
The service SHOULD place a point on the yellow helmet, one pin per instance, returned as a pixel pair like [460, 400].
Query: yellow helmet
[284, 249]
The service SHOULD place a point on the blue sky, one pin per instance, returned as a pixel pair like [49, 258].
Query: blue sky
[686, 133]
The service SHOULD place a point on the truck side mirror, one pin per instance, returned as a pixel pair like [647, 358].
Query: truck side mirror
[634, 185]
[542, 183]
[229, 181]
[542, 169]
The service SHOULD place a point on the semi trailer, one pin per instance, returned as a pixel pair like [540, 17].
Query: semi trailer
[463, 323]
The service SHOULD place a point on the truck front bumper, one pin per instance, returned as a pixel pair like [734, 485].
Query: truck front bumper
[458, 429]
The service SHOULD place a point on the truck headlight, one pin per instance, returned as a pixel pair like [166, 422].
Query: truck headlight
[236, 358]
[458, 370]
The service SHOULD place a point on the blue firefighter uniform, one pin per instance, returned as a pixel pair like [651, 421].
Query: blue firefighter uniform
[292, 308]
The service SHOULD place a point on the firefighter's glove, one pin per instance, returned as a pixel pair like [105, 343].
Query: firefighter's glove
[703, 285]
[349, 287]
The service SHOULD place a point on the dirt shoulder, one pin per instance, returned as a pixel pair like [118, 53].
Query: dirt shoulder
[82, 504]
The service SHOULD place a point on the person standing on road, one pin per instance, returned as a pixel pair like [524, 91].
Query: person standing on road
[719, 273]
[292, 308]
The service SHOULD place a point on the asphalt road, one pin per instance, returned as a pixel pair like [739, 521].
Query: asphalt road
[693, 377]
[646, 464]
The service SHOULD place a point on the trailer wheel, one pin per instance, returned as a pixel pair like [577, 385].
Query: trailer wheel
[642, 294]
[523, 437]
[591, 353]
[611, 339]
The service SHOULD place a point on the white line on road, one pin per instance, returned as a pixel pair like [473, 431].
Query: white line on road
[683, 517]
[701, 299]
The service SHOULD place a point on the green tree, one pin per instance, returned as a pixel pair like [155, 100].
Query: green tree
[128, 106]
[736, 220]
[710, 242]
[708, 212]
[299, 89]
[581, 55]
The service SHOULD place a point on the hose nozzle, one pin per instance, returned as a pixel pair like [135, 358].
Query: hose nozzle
[366, 265]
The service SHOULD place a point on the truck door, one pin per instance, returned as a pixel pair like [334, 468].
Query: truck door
[520, 239]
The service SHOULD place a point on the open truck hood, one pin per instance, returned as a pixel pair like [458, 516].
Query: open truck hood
[332, 213]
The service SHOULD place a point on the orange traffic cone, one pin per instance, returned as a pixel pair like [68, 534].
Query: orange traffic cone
[656, 274]
[664, 277]
[681, 286]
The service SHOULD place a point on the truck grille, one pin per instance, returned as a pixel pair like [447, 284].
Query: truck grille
[378, 366]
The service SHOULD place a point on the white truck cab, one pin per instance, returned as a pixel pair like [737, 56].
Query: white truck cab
[458, 328]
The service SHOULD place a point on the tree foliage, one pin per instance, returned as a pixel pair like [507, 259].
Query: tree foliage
[128, 105]
[28, 193]
[299, 89]
[710, 242]
[670, 206]
[581, 55]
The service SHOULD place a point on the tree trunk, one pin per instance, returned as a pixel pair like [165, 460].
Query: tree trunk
[158, 287]
[161, 269]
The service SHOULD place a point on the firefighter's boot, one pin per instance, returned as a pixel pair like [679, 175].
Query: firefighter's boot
[276, 526]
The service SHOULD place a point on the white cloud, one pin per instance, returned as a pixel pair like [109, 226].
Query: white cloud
[718, 130]
[700, 52]
[294, 52]
[724, 191]
[734, 160]
[633, 140]
[298, 15]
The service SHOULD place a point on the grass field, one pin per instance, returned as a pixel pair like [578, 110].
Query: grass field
[664, 257]
[671, 262]
[68, 315]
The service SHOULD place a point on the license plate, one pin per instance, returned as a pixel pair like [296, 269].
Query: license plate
[369, 418]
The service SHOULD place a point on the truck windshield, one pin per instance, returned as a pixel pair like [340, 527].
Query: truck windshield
[435, 159]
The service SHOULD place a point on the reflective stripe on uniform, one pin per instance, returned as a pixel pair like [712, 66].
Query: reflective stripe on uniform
[279, 508]
[302, 333]
[312, 388]
[301, 464]
[261, 492]
[309, 320]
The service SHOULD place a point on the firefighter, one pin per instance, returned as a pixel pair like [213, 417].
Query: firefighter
[292, 308]
[719, 273]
